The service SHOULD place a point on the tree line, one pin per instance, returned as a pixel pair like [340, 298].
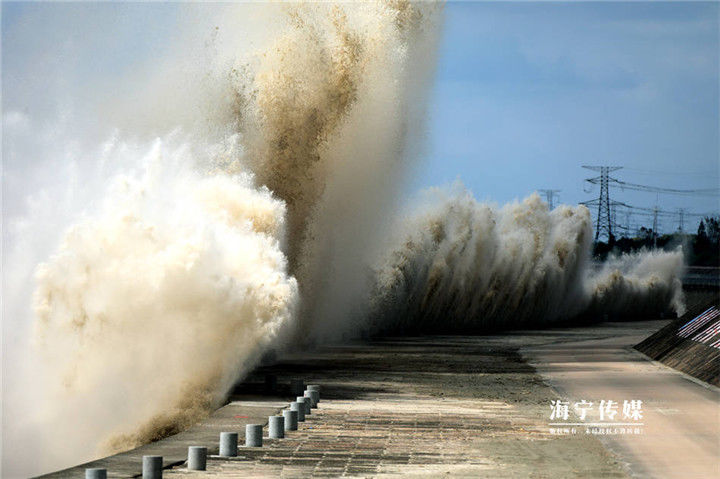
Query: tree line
[701, 248]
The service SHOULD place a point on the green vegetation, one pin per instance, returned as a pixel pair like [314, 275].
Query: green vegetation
[701, 249]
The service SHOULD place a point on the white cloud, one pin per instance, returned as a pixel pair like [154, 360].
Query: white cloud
[14, 121]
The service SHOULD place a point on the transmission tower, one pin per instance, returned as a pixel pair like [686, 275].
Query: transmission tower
[604, 220]
[550, 196]
[681, 225]
[628, 214]
[655, 226]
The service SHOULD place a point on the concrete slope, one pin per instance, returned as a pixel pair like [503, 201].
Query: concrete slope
[691, 343]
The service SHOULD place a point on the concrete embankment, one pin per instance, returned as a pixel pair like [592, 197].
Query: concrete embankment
[691, 343]
[419, 407]
[461, 406]
[232, 417]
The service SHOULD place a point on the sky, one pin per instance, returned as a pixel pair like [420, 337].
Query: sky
[525, 94]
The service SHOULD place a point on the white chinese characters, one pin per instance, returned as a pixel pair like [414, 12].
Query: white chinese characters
[603, 417]
[632, 410]
[582, 408]
[607, 410]
[560, 410]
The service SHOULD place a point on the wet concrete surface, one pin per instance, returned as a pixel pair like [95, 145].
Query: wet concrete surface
[231, 417]
[680, 432]
[455, 406]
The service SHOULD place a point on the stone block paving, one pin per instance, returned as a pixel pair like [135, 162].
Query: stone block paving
[365, 438]
[458, 406]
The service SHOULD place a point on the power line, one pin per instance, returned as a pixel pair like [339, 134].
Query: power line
[656, 214]
[606, 219]
[673, 191]
[640, 210]
[704, 174]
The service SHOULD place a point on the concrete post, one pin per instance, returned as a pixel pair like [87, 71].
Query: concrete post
[95, 473]
[297, 386]
[228, 444]
[152, 467]
[253, 435]
[300, 409]
[306, 402]
[291, 420]
[197, 458]
[276, 427]
[314, 397]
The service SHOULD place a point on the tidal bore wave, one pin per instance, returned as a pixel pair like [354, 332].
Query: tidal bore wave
[211, 247]
[460, 265]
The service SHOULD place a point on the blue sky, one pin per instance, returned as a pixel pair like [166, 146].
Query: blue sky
[526, 92]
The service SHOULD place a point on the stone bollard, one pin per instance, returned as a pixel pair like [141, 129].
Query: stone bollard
[152, 467]
[314, 387]
[270, 383]
[276, 427]
[300, 409]
[306, 402]
[253, 435]
[197, 458]
[314, 397]
[297, 386]
[291, 420]
[228, 444]
[308, 396]
[95, 473]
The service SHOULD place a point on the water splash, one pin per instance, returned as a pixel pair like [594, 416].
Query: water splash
[167, 289]
[330, 114]
[460, 265]
[150, 310]
[261, 216]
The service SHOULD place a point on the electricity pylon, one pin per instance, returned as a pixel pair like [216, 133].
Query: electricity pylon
[550, 196]
[604, 220]
[681, 225]
[655, 226]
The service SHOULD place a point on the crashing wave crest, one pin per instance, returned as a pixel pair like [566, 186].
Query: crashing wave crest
[462, 265]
